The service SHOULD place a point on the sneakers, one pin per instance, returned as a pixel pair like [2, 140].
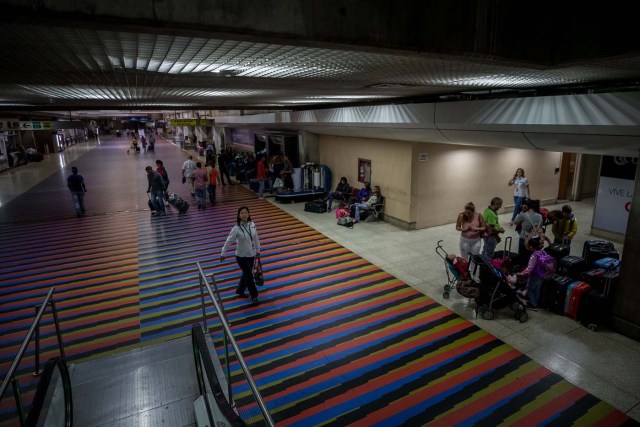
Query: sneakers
[531, 307]
[241, 294]
[254, 301]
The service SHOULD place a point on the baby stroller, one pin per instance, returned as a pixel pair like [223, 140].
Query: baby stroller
[458, 275]
[496, 293]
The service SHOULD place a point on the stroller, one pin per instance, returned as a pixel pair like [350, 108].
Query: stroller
[496, 293]
[458, 275]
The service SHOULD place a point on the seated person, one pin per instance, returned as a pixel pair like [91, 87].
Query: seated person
[368, 204]
[566, 227]
[363, 194]
[343, 191]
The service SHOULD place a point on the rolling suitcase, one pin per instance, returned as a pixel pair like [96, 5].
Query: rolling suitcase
[508, 258]
[317, 206]
[594, 277]
[559, 250]
[557, 293]
[609, 264]
[596, 307]
[571, 266]
[594, 250]
[178, 203]
[574, 297]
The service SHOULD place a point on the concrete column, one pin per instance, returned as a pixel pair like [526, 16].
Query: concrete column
[626, 310]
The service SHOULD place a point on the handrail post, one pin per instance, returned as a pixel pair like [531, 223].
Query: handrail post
[217, 302]
[204, 311]
[37, 371]
[18, 397]
[54, 311]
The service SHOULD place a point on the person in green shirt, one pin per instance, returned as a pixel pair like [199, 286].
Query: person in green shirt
[493, 229]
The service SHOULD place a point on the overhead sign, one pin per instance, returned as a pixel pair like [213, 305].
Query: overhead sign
[35, 125]
[8, 124]
[189, 122]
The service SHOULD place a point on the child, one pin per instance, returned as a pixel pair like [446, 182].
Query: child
[541, 266]
[460, 264]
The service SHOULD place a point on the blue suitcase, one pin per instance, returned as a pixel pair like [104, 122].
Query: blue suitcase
[608, 263]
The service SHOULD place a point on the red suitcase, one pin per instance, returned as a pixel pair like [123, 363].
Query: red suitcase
[576, 296]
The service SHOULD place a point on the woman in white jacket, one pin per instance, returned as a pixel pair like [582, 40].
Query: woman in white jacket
[245, 236]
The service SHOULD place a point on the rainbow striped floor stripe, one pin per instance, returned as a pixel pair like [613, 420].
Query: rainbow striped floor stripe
[336, 341]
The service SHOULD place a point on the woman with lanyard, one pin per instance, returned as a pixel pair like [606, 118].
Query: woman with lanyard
[245, 235]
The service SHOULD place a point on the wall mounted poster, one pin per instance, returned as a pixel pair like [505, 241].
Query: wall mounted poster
[364, 170]
[615, 192]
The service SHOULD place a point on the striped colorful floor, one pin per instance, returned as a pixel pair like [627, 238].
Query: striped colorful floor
[335, 341]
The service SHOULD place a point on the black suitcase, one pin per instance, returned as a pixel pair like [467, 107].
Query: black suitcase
[556, 293]
[597, 306]
[316, 206]
[558, 250]
[152, 208]
[594, 250]
[595, 278]
[572, 266]
[178, 203]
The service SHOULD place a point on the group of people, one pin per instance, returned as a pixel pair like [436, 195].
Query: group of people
[146, 146]
[480, 233]
[364, 200]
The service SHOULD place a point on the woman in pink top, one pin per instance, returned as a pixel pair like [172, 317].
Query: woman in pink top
[471, 226]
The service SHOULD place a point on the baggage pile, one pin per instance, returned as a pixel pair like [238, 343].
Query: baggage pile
[584, 286]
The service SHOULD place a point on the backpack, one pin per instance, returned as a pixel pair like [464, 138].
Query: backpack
[546, 265]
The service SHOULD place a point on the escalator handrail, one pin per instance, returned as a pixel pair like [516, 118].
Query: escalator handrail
[43, 388]
[25, 343]
[236, 349]
[200, 345]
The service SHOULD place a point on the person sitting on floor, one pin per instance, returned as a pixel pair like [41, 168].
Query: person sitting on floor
[343, 191]
[368, 204]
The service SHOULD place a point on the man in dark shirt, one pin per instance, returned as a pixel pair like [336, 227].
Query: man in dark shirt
[75, 182]
[156, 188]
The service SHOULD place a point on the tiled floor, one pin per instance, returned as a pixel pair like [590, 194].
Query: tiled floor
[604, 363]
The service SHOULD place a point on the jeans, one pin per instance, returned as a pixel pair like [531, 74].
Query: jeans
[333, 195]
[157, 198]
[523, 253]
[211, 189]
[469, 246]
[200, 197]
[359, 206]
[246, 281]
[78, 201]
[518, 206]
[490, 244]
[261, 188]
[533, 289]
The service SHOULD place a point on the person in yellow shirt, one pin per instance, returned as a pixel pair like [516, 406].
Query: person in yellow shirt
[566, 227]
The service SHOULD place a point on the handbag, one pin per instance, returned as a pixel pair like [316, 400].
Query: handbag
[258, 277]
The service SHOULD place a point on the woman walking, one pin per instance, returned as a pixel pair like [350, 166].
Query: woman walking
[245, 236]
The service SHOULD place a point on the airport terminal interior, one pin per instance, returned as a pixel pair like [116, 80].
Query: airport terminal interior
[359, 325]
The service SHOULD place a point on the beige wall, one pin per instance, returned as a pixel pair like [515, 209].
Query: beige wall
[433, 192]
[390, 167]
[454, 175]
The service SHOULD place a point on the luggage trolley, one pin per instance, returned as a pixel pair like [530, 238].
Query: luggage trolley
[456, 279]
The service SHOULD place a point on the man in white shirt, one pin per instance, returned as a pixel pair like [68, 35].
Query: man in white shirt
[187, 173]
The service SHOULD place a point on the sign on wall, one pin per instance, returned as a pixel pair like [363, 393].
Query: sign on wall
[615, 192]
[364, 170]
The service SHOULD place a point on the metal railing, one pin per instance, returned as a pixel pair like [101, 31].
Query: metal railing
[229, 340]
[34, 329]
